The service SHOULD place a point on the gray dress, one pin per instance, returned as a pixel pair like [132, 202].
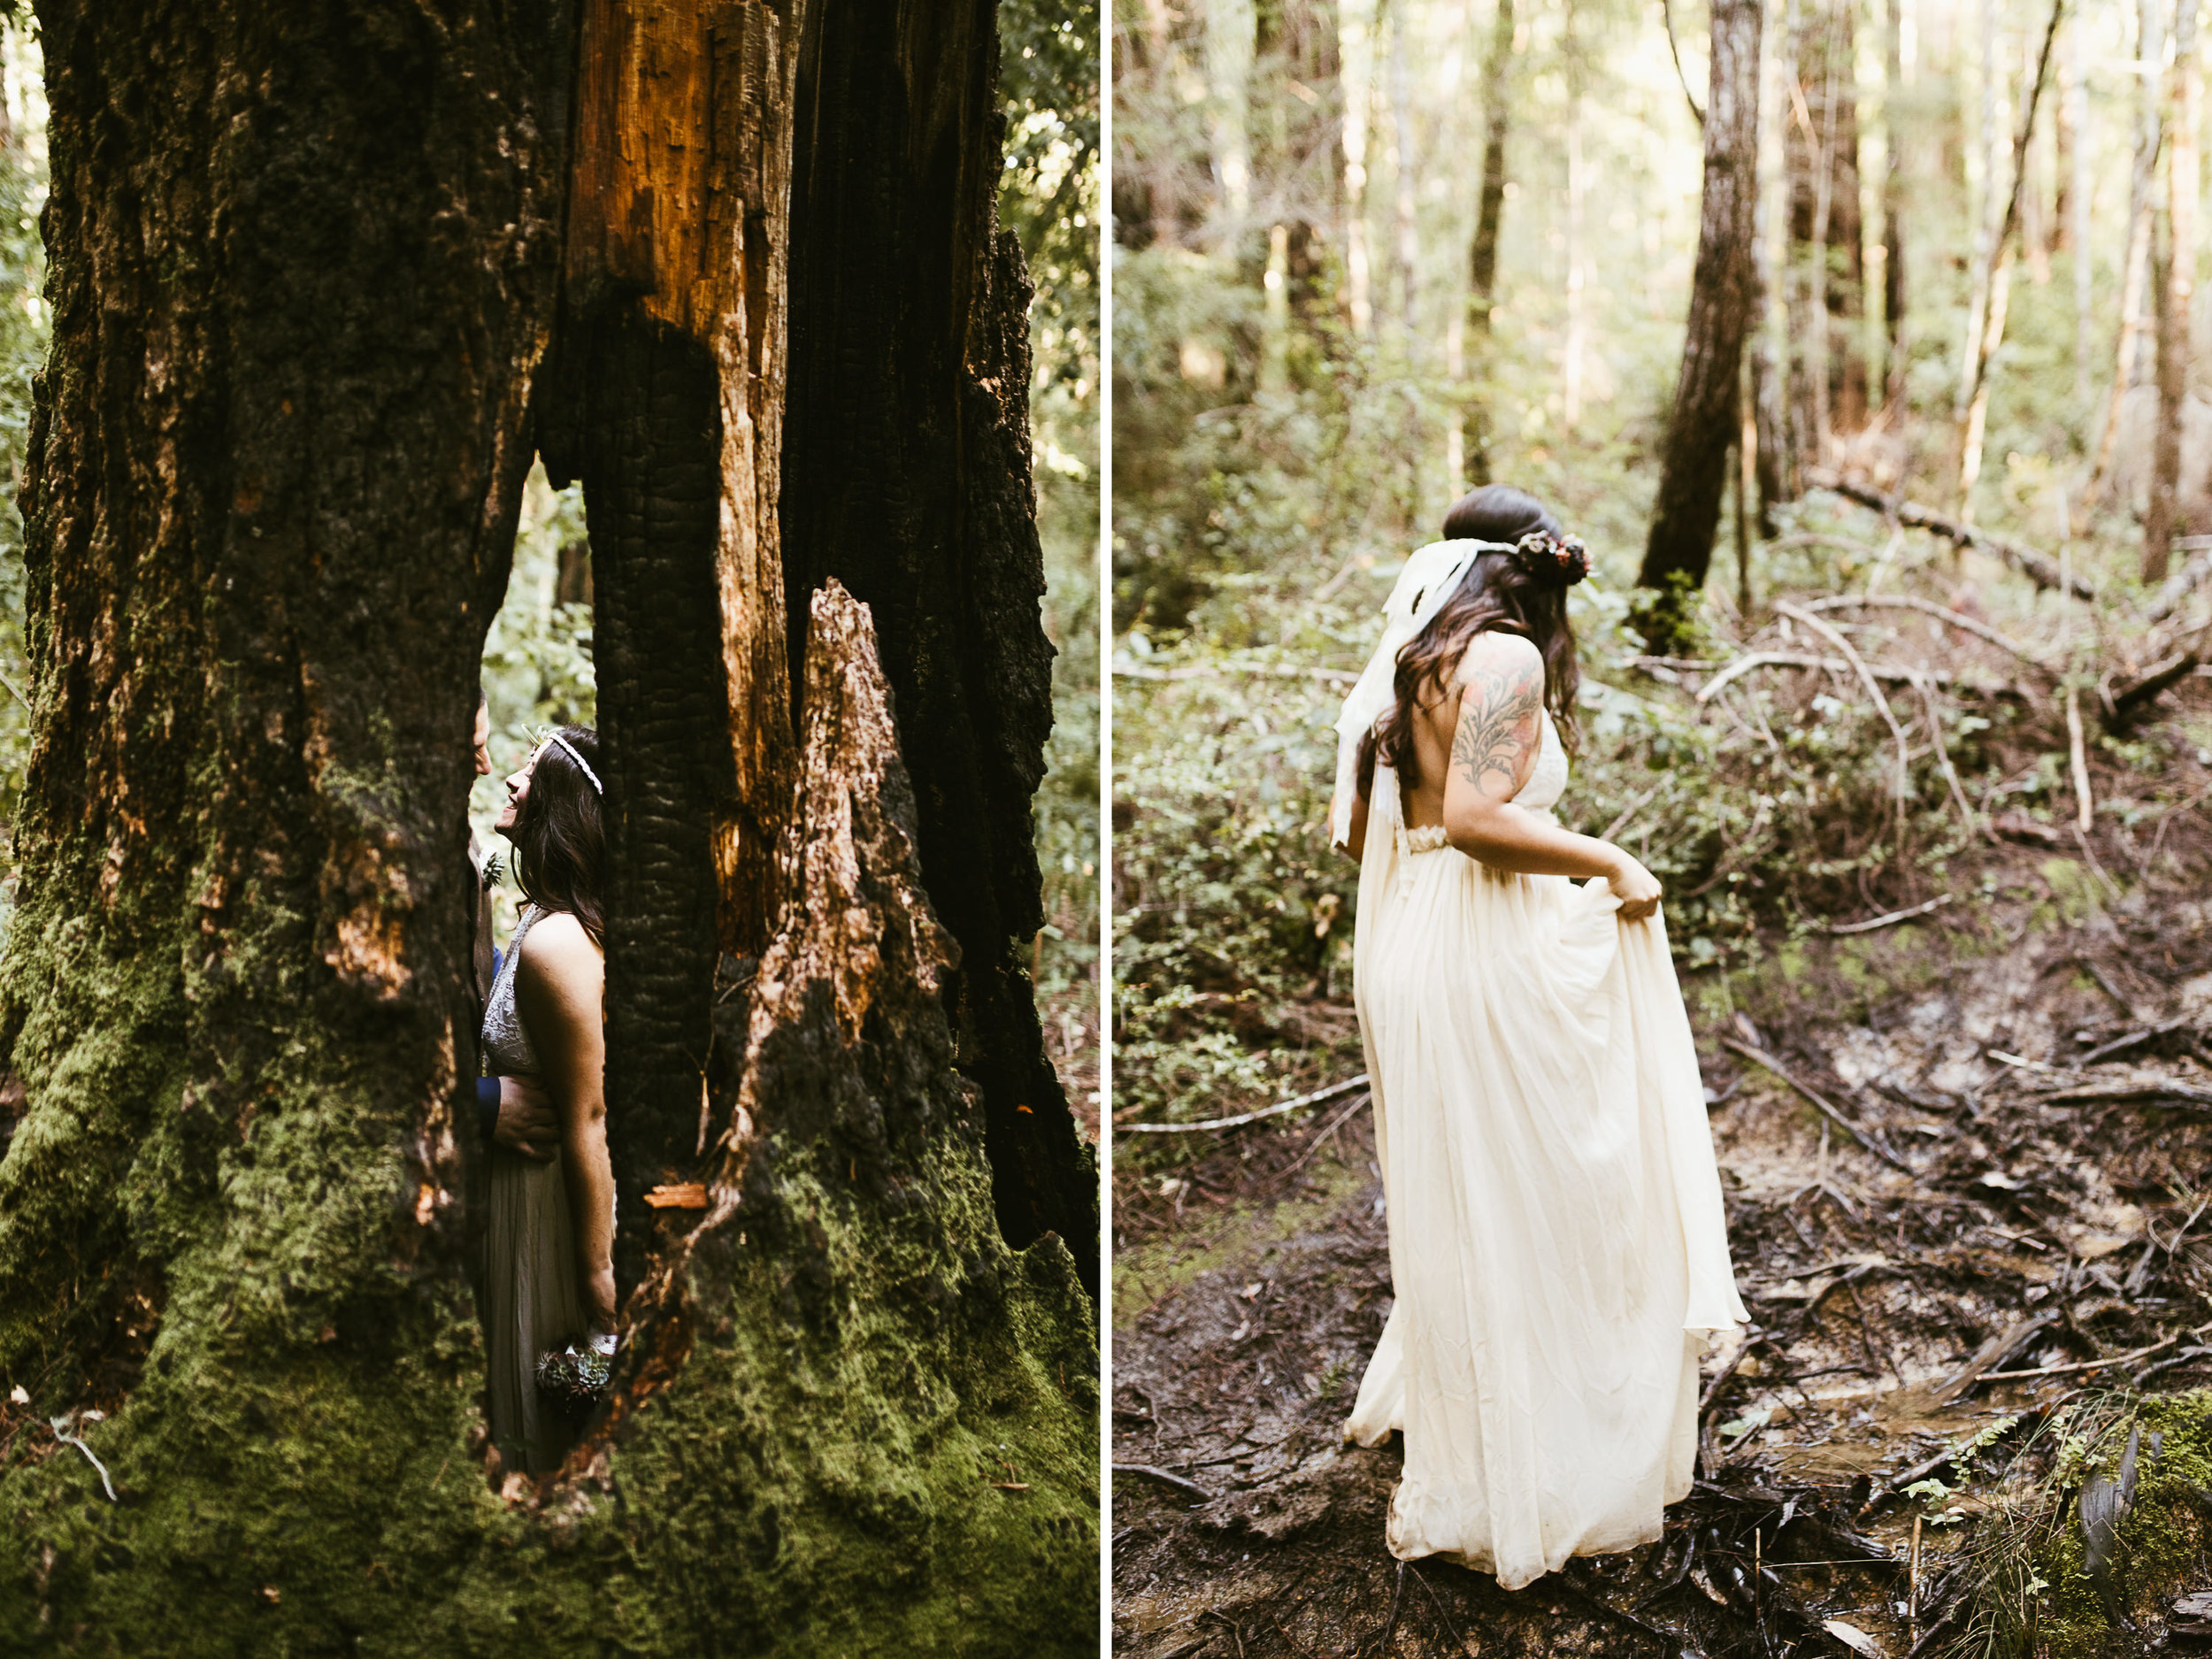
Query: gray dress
[533, 1300]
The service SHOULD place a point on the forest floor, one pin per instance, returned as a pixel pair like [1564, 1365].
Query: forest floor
[2000, 1216]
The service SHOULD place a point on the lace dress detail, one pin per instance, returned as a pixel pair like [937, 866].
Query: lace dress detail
[533, 1296]
[507, 1048]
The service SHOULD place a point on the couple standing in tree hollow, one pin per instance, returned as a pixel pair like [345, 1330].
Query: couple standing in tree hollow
[547, 1297]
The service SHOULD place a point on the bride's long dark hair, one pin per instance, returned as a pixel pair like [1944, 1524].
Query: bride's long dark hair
[1507, 591]
[559, 834]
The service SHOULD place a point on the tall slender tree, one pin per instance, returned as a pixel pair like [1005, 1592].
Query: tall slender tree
[2175, 291]
[1893, 125]
[1482, 253]
[1694, 466]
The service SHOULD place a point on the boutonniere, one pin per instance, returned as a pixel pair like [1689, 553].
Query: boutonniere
[491, 871]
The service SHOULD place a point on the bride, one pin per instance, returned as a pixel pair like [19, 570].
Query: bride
[549, 1270]
[1557, 1242]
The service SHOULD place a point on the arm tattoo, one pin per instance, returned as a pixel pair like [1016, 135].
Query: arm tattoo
[1497, 722]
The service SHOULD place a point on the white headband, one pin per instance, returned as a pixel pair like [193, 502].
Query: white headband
[598, 787]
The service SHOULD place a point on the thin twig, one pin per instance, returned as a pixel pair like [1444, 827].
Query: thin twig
[2086, 1364]
[1166, 1477]
[1630, 811]
[1739, 667]
[1937, 902]
[1335, 1124]
[1943, 758]
[1798, 613]
[1760, 1058]
[2084, 804]
[1928, 607]
[61, 1426]
[1333, 1092]
[1207, 671]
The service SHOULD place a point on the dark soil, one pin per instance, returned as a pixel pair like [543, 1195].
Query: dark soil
[2027, 1205]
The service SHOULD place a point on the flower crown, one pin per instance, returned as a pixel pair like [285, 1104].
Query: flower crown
[1556, 561]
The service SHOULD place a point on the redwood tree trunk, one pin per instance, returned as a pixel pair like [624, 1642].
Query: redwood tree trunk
[320, 283]
[906, 475]
[1694, 467]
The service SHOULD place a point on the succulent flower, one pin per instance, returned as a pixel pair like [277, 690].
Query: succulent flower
[574, 1378]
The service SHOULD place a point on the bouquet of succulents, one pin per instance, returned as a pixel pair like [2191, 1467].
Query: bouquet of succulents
[574, 1378]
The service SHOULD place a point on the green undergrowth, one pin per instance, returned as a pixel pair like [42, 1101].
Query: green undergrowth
[1768, 816]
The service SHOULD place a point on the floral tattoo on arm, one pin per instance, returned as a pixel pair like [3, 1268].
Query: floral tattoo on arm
[1497, 723]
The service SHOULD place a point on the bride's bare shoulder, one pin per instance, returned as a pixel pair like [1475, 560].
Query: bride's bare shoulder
[1500, 658]
[557, 945]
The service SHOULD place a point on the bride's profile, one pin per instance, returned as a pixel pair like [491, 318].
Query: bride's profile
[1557, 1242]
[549, 1263]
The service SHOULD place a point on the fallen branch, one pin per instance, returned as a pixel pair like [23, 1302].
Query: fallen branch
[1958, 619]
[1206, 671]
[2120, 707]
[1992, 1352]
[1333, 1092]
[1935, 903]
[1927, 1466]
[2086, 1364]
[2133, 1039]
[1166, 1477]
[2039, 568]
[1742, 666]
[1759, 1057]
[2124, 1094]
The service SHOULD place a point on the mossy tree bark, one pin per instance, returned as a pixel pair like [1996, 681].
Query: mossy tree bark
[322, 282]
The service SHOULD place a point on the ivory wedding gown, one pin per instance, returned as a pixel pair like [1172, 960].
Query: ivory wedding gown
[1557, 1241]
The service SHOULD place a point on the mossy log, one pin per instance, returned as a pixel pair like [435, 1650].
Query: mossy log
[318, 299]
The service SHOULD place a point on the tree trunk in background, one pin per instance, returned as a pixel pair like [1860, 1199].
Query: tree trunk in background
[312, 308]
[2174, 292]
[1982, 341]
[1482, 253]
[2077, 204]
[1229, 46]
[1804, 367]
[1406, 247]
[1844, 265]
[2149, 139]
[1694, 466]
[906, 475]
[1893, 210]
[1355, 21]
